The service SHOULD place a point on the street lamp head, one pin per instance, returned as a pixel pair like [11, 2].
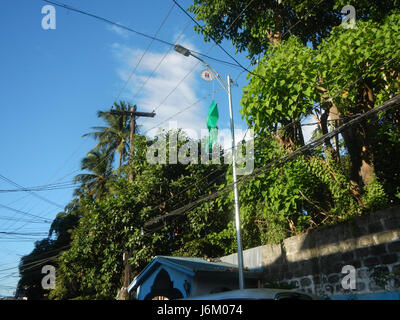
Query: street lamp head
[182, 50]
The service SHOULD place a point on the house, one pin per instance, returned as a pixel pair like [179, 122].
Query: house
[168, 277]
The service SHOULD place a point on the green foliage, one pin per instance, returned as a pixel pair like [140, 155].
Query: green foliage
[292, 72]
[44, 253]
[96, 182]
[253, 25]
[114, 137]
[319, 188]
[375, 197]
[299, 76]
[355, 55]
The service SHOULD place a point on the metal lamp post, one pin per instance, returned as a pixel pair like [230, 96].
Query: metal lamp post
[227, 87]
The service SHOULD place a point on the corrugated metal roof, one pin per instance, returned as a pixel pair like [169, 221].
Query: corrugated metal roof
[199, 264]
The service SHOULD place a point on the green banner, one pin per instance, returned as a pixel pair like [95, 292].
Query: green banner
[212, 119]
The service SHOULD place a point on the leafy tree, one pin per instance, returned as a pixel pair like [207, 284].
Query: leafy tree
[252, 25]
[349, 73]
[94, 183]
[30, 268]
[366, 58]
[45, 253]
[310, 76]
[115, 136]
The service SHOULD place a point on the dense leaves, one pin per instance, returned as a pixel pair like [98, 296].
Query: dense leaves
[252, 25]
[349, 73]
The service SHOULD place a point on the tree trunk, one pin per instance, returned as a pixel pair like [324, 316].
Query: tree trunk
[359, 140]
[334, 115]
[132, 147]
[274, 34]
[324, 128]
[120, 160]
[123, 294]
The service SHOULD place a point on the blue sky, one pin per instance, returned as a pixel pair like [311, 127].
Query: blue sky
[52, 83]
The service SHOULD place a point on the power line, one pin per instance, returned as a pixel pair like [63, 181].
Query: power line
[48, 187]
[54, 184]
[153, 38]
[32, 193]
[32, 264]
[39, 260]
[22, 220]
[195, 66]
[44, 214]
[144, 53]
[22, 212]
[159, 63]
[48, 211]
[39, 234]
[217, 41]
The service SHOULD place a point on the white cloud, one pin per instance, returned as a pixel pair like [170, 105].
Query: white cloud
[162, 92]
[121, 32]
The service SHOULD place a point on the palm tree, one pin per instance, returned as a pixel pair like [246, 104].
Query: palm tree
[98, 163]
[115, 136]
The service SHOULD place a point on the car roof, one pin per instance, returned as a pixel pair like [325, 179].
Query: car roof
[254, 294]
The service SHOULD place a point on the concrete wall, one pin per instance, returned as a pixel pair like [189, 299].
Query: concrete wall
[313, 261]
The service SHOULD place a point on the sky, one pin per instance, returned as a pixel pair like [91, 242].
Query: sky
[53, 82]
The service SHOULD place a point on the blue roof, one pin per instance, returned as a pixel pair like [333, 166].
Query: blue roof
[187, 265]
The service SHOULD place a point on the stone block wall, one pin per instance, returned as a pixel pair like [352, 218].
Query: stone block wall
[313, 261]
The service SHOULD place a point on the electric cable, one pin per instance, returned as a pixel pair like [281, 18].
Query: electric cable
[217, 42]
[145, 52]
[65, 6]
[23, 212]
[32, 193]
[159, 63]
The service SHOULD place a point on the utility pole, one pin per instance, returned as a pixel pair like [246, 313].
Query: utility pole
[133, 114]
[227, 87]
[235, 191]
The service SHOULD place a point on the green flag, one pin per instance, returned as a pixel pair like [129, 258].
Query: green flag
[212, 119]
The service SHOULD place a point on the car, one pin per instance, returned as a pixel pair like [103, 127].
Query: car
[258, 294]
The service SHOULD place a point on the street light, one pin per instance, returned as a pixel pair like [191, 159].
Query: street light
[227, 87]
